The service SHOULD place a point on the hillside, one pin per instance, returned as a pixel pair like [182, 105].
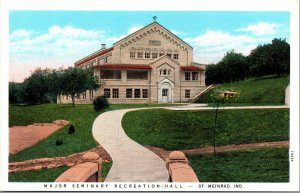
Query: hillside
[264, 90]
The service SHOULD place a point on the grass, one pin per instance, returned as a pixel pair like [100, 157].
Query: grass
[175, 130]
[265, 90]
[81, 116]
[105, 169]
[43, 175]
[266, 165]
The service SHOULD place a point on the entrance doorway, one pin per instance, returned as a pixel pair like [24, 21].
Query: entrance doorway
[165, 92]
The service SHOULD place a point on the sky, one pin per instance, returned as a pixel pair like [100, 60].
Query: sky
[56, 39]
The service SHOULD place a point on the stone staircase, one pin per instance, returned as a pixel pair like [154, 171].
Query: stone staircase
[201, 93]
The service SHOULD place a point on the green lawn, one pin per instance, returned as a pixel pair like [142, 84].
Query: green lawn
[43, 175]
[105, 169]
[175, 130]
[266, 165]
[265, 90]
[81, 116]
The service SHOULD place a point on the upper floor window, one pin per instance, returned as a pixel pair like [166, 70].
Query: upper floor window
[194, 75]
[169, 54]
[161, 53]
[154, 54]
[140, 54]
[108, 59]
[187, 76]
[147, 54]
[175, 56]
[111, 74]
[132, 53]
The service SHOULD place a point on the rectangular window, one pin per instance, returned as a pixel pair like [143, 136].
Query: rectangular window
[111, 74]
[175, 56]
[91, 94]
[140, 55]
[107, 92]
[169, 55]
[154, 55]
[108, 59]
[132, 54]
[115, 92]
[187, 94]
[136, 74]
[147, 54]
[128, 93]
[165, 92]
[137, 93]
[194, 75]
[187, 76]
[145, 93]
[102, 61]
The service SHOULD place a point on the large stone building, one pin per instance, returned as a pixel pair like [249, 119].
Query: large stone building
[151, 65]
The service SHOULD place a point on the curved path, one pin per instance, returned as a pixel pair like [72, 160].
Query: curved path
[131, 161]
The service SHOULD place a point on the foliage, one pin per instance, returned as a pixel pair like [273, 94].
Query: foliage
[265, 165]
[77, 80]
[232, 67]
[16, 93]
[175, 130]
[264, 90]
[59, 142]
[43, 175]
[100, 103]
[71, 129]
[270, 59]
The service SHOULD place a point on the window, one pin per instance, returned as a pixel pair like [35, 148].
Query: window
[128, 93]
[137, 93]
[175, 56]
[187, 76]
[165, 92]
[147, 54]
[84, 95]
[108, 59]
[165, 72]
[91, 94]
[102, 61]
[154, 54]
[140, 54]
[135, 74]
[169, 72]
[169, 54]
[111, 74]
[132, 53]
[115, 93]
[194, 75]
[107, 92]
[187, 94]
[145, 93]
[161, 53]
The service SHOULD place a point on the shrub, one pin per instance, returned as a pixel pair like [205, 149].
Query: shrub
[71, 129]
[100, 103]
[59, 142]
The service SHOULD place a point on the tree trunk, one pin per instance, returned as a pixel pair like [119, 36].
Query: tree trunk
[73, 100]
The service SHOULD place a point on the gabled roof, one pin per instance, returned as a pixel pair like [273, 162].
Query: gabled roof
[153, 23]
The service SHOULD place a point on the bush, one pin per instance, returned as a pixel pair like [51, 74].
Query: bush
[100, 103]
[59, 142]
[71, 129]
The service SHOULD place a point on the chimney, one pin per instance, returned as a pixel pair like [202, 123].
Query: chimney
[103, 46]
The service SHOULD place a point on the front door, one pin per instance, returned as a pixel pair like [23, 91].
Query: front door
[165, 95]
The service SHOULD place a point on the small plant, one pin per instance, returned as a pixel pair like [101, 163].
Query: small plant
[100, 103]
[71, 129]
[59, 142]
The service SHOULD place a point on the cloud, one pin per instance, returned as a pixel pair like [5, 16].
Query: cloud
[134, 29]
[211, 46]
[19, 34]
[261, 28]
[177, 32]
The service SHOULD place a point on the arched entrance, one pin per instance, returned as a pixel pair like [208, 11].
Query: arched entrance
[165, 91]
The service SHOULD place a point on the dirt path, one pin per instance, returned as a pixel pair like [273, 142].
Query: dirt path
[207, 150]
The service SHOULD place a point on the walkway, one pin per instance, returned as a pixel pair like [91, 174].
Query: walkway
[131, 161]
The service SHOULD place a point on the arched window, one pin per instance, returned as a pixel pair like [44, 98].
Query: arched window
[175, 55]
[154, 54]
[147, 54]
[140, 54]
[161, 53]
[132, 53]
[169, 53]
[169, 72]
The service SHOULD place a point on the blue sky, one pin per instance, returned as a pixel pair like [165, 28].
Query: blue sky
[59, 38]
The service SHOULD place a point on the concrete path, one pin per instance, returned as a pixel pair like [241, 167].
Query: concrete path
[131, 161]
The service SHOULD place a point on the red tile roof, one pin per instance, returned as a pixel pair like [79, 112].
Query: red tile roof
[124, 66]
[191, 68]
[92, 56]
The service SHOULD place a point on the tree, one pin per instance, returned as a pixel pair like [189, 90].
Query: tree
[77, 80]
[54, 83]
[270, 59]
[16, 93]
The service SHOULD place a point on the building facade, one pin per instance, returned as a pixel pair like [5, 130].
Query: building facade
[151, 65]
